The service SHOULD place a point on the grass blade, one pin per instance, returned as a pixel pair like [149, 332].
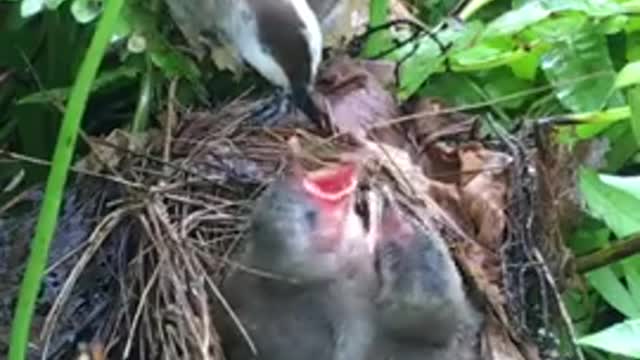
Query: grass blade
[62, 158]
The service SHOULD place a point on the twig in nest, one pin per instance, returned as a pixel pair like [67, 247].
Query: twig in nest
[171, 121]
[76, 169]
[141, 303]
[100, 233]
[563, 310]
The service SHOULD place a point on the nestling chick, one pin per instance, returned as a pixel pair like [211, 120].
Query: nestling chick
[422, 309]
[303, 229]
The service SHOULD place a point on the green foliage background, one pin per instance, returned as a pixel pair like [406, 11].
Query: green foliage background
[514, 60]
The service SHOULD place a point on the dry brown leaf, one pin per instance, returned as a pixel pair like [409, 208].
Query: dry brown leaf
[434, 122]
[497, 344]
[355, 100]
[483, 187]
[109, 156]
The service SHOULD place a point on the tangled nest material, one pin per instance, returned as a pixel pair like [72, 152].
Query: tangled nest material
[148, 231]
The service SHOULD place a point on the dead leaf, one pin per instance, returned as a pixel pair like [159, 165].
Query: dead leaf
[356, 101]
[483, 184]
[496, 343]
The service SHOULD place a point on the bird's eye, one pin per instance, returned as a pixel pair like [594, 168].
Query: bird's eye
[311, 216]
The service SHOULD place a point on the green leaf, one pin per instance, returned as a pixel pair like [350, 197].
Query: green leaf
[605, 281]
[418, 67]
[174, 63]
[593, 8]
[622, 144]
[501, 82]
[516, 20]
[487, 54]
[620, 339]
[590, 236]
[53, 4]
[29, 8]
[378, 13]
[615, 207]
[633, 44]
[633, 95]
[534, 12]
[427, 58]
[454, 88]
[629, 75]
[581, 71]
[632, 277]
[526, 67]
[557, 29]
[85, 11]
[628, 184]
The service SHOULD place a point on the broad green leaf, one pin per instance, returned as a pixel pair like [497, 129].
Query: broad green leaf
[378, 14]
[526, 67]
[580, 309]
[455, 88]
[53, 4]
[533, 12]
[29, 8]
[632, 6]
[633, 95]
[581, 71]
[556, 29]
[174, 63]
[85, 11]
[61, 94]
[633, 24]
[516, 20]
[488, 54]
[633, 46]
[590, 236]
[628, 184]
[620, 339]
[613, 25]
[615, 207]
[632, 277]
[623, 145]
[418, 67]
[605, 281]
[427, 58]
[501, 82]
[593, 8]
[629, 75]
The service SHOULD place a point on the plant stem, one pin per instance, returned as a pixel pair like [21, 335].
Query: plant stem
[62, 157]
[619, 250]
[472, 7]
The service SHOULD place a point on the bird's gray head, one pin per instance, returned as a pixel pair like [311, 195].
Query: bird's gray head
[419, 285]
[300, 223]
[289, 31]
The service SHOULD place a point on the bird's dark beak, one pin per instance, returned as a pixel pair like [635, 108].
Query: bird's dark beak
[303, 101]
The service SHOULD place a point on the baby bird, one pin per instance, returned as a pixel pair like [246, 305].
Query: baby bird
[303, 233]
[422, 310]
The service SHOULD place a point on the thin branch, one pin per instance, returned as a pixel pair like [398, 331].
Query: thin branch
[621, 249]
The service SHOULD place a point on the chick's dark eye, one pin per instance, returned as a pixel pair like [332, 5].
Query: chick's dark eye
[310, 216]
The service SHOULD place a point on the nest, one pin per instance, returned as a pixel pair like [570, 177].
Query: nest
[150, 225]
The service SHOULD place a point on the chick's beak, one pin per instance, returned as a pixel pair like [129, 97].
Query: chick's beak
[303, 101]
